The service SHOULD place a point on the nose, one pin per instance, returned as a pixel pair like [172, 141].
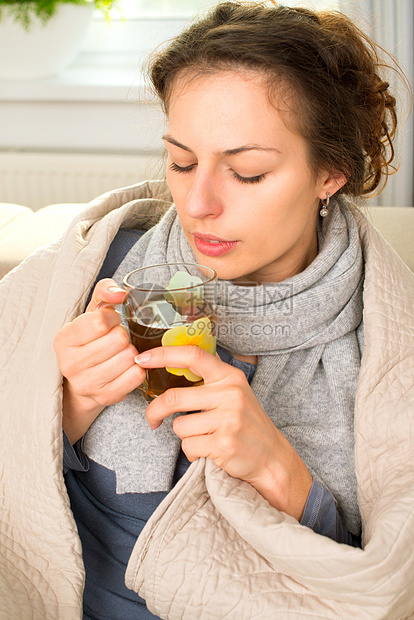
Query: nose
[203, 199]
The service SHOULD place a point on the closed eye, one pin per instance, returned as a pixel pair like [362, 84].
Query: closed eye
[176, 168]
[255, 179]
[182, 169]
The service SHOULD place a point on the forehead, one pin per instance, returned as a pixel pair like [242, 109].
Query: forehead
[227, 81]
[232, 100]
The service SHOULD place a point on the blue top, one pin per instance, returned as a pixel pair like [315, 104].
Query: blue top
[109, 524]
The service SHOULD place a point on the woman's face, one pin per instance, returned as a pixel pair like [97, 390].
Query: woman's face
[245, 195]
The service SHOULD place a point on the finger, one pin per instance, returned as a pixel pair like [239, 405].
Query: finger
[198, 423]
[108, 291]
[118, 389]
[102, 349]
[198, 361]
[197, 447]
[127, 382]
[87, 328]
[80, 359]
[118, 374]
[180, 399]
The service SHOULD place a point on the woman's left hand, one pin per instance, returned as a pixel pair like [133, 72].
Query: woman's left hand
[231, 429]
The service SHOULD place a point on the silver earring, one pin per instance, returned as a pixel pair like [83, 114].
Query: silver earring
[324, 211]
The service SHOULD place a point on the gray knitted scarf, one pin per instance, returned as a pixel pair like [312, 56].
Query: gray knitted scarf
[303, 331]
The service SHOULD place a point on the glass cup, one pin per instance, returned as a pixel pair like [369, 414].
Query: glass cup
[167, 305]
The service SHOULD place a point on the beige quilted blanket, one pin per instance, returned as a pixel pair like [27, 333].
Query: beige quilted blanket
[214, 549]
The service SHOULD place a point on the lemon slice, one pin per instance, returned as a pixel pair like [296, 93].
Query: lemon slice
[198, 333]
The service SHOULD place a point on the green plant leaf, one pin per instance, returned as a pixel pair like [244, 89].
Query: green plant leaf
[24, 11]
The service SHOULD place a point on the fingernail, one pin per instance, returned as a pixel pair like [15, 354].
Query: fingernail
[142, 358]
[115, 289]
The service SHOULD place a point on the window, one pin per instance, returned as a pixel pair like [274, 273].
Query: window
[138, 26]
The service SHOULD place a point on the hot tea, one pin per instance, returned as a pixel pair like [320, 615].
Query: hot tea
[168, 305]
[148, 336]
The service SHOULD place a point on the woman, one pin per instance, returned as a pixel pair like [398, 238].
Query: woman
[275, 118]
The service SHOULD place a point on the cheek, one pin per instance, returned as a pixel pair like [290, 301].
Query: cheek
[170, 180]
[176, 189]
[179, 189]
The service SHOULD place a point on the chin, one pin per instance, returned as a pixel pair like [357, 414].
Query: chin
[223, 272]
[226, 272]
[225, 266]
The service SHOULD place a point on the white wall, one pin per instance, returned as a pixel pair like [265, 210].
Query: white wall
[100, 106]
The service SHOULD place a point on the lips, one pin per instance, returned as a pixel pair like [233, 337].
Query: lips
[211, 245]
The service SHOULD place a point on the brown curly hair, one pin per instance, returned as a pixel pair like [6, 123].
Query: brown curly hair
[344, 108]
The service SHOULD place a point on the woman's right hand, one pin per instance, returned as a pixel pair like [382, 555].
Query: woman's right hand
[96, 360]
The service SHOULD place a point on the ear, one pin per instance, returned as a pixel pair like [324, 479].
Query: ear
[331, 183]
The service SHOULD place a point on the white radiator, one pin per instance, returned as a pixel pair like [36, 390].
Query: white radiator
[39, 179]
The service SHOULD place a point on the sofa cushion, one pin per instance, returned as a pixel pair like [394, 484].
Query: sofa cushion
[11, 216]
[22, 230]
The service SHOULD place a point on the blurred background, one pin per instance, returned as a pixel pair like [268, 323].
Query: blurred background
[72, 132]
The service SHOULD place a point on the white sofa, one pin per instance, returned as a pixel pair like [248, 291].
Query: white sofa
[22, 230]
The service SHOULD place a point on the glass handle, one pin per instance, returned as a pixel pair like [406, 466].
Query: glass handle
[120, 308]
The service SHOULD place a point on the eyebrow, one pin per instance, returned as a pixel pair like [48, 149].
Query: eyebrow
[228, 152]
